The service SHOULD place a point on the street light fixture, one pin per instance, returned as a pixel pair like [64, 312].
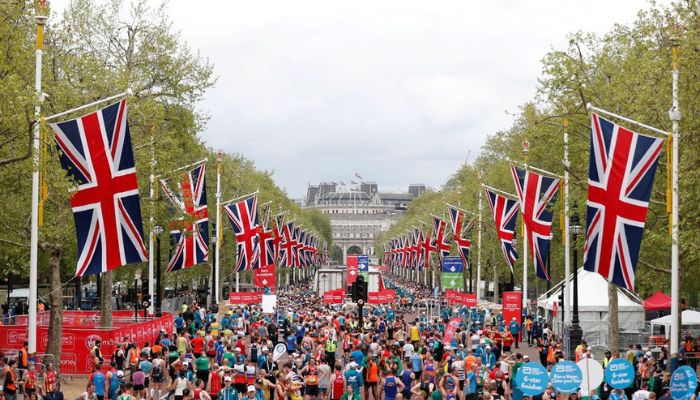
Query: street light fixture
[214, 285]
[157, 230]
[575, 333]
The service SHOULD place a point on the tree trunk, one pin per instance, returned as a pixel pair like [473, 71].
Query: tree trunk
[613, 322]
[56, 304]
[106, 299]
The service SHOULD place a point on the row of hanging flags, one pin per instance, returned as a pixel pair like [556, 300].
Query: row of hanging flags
[96, 151]
[622, 167]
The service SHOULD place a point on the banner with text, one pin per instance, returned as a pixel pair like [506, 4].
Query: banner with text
[264, 277]
[454, 296]
[352, 268]
[333, 296]
[245, 297]
[512, 306]
[382, 297]
[452, 272]
[363, 266]
[450, 331]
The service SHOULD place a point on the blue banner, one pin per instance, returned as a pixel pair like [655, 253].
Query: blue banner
[531, 379]
[452, 264]
[363, 263]
[683, 383]
[566, 376]
[619, 374]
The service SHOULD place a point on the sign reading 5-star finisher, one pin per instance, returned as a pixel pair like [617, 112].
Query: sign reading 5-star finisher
[452, 272]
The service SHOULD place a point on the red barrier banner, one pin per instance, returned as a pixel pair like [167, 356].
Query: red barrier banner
[512, 307]
[264, 277]
[450, 330]
[81, 330]
[352, 269]
[382, 297]
[333, 296]
[245, 297]
[455, 296]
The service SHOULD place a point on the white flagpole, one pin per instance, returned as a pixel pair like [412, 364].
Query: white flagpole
[36, 145]
[524, 239]
[219, 230]
[151, 235]
[478, 253]
[675, 115]
[567, 241]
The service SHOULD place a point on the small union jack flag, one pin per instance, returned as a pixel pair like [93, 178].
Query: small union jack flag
[536, 192]
[244, 219]
[96, 152]
[620, 179]
[189, 234]
[505, 215]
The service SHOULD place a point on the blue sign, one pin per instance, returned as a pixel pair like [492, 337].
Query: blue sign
[619, 374]
[683, 383]
[531, 379]
[566, 376]
[452, 264]
[363, 263]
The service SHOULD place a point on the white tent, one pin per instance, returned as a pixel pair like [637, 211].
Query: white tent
[688, 318]
[593, 304]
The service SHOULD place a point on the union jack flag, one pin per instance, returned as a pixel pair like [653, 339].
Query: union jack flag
[296, 247]
[536, 192]
[244, 219]
[463, 245]
[302, 248]
[428, 248]
[287, 246]
[278, 231]
[266, 239]
[405, 251]
[189, 234]
[505, 215]
[420, 263]
[621, 176]
[440, 239]
[96, 152]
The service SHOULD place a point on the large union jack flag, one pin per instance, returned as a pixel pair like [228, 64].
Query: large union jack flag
[505, 215]
[244, 220]
[440, 237]
[458, 231]
[190, 233]
[536, 193]
[96, 151]
[621, 175]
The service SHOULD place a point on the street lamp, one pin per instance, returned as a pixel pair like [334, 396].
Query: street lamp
[214, 285]
[512, 273]
[157, 230]
[575, 333]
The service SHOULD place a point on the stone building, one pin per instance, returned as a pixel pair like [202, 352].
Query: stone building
[359, 211]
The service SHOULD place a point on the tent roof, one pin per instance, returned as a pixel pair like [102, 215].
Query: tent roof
[592, 294]
[688, 317]
[657, 301]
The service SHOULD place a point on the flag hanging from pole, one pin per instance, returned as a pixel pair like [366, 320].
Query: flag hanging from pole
[536, 193]
[189, 234]
[463, 245]
[505, 215]
[440, 237]
[96, 151]
[244, 220]
[620, 179]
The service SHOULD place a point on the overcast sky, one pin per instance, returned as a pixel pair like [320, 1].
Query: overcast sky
[398, 91]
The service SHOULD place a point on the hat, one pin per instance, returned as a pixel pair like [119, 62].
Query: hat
[648, 354]
[227, 379]
[264, 349]
[513, 318]
[120, 374]
[461, 345]
[488, 347]
[238, 349]
[251, 388]
[526, 357]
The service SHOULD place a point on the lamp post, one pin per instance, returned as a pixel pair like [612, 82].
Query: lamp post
[214, 285]
[157, 230]
[575, 332]
[512, 274]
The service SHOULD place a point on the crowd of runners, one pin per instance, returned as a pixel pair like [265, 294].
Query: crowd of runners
[397, 352]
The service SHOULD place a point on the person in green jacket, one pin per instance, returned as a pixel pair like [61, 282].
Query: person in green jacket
[350, 394]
